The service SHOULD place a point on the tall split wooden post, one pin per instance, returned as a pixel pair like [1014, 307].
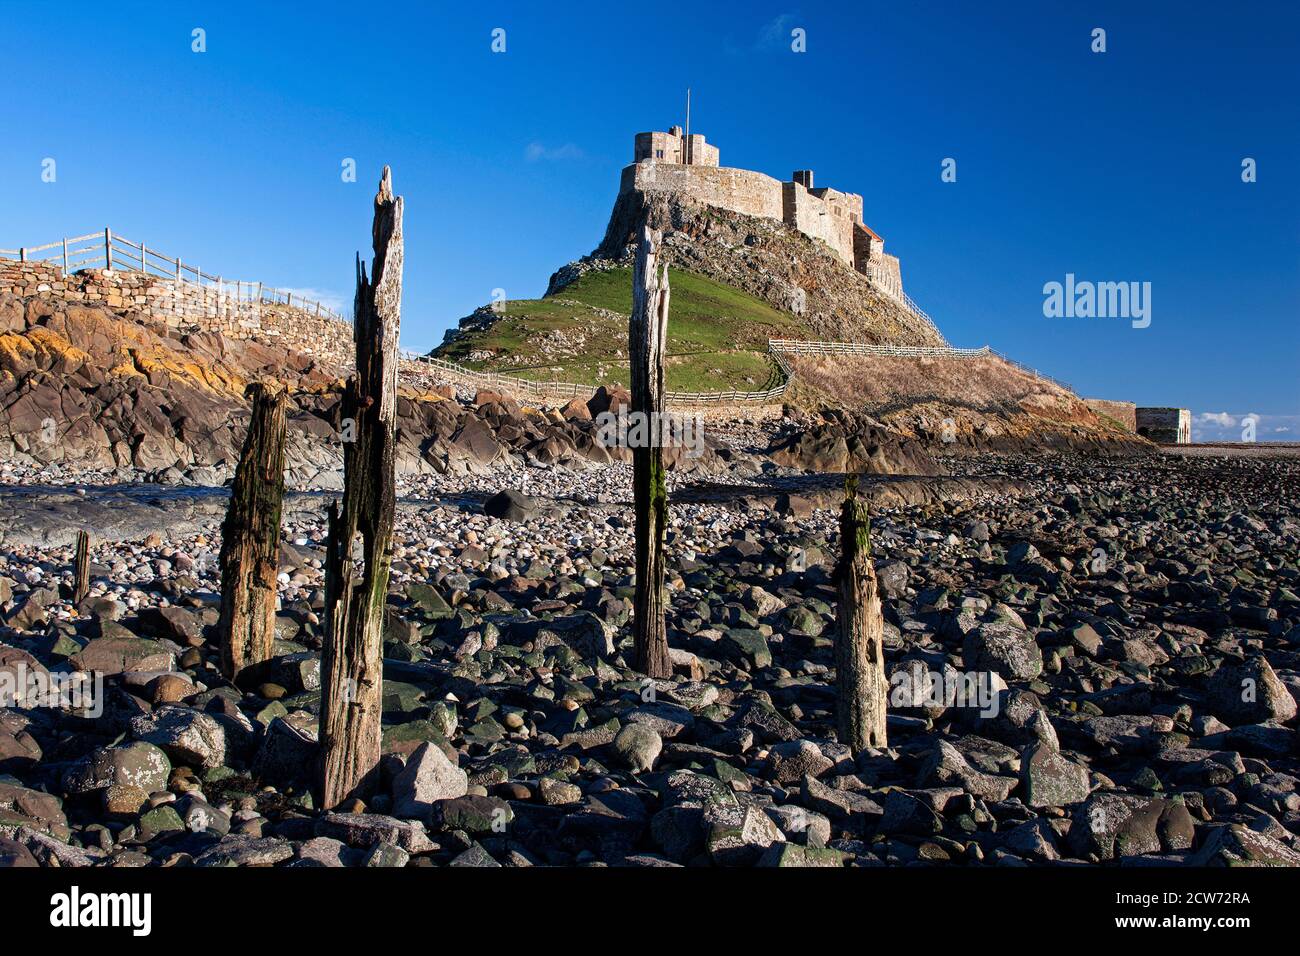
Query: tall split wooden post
[861, 689]
[250, 536]
[352, 660]
[81, 569]
[647, 333]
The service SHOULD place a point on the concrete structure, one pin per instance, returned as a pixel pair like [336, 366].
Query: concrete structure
[1169, 426]
[673, 162]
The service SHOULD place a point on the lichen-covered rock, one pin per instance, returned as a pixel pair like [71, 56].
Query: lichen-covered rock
[1249, 693]
[187, 736]
[140, 765]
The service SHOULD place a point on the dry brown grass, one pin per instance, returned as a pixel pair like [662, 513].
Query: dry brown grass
[971, 390]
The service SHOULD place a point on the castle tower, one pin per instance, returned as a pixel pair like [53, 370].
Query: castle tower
[672, 147]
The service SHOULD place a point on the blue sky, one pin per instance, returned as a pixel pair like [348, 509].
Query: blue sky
[1115, 166]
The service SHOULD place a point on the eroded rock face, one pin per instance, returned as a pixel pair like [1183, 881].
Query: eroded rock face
[104, 389]
[842, 445]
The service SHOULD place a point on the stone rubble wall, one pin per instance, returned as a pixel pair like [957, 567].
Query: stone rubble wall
[1123, 412]
[185, 306]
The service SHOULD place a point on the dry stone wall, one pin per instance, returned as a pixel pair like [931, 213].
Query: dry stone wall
[185, 306]
[1125, 413]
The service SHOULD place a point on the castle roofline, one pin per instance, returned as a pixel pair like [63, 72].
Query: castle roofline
[869, 231]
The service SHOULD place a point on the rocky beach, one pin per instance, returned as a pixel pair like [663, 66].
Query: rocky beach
[1090, 660]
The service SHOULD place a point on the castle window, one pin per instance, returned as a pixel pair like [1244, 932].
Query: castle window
[659, 154]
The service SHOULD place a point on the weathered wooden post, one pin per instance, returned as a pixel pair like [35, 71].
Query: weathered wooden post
[647, 333]
[250, 537]
[861, 689]
[108, 249]
[81, 569]
[352, 658]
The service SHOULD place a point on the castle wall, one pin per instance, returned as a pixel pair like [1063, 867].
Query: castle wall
[660, 165]
[829, 221]
[885, 272]
[184, 306]
[739, 190]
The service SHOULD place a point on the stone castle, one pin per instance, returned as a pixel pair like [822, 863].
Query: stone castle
[686, 164]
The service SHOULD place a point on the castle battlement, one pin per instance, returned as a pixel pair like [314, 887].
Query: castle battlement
[689, 165]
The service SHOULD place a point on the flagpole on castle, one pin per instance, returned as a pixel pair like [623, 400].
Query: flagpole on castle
[686, 153]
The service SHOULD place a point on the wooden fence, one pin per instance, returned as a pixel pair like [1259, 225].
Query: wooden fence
[495, 381]
[778, 349]
[108, 250]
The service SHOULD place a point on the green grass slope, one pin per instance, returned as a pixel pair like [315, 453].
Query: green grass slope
[717, 336]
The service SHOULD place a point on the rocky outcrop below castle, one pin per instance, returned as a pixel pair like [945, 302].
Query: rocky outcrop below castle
[110, 395]
[762, 257]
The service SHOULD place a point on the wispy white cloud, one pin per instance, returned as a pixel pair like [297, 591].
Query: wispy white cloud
[775, 33]
[1222, 419]
[537, 152]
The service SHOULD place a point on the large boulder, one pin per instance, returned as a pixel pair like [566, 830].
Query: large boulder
[1002, 647]
[510, 505]
[120, 653]
[428, 777]
[187, 736]
[141, 765]
[1051, 780]
[609, 398]
[1249, 693]
[288, 750]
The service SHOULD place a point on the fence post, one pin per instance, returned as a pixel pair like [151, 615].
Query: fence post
[250, 536]
[144, 258]
[65, 257]
[108, 249]
[22, 254]
[81, 569]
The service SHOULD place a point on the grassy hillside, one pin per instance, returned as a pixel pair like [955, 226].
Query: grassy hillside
[717, 336]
